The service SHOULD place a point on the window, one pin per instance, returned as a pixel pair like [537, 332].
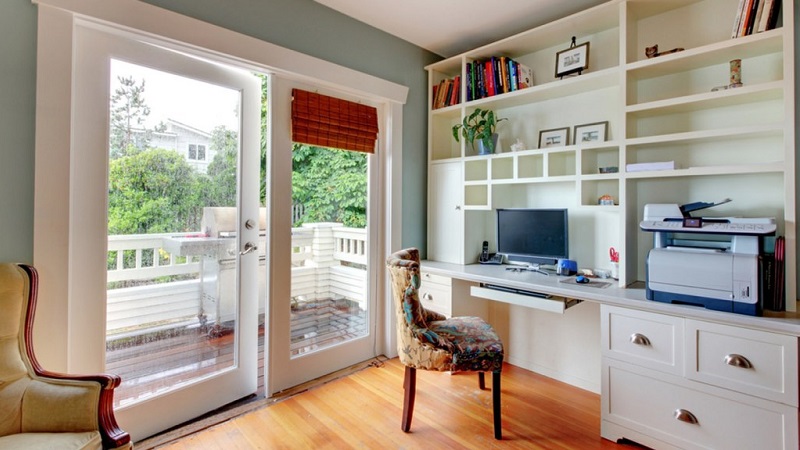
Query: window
[192, 151]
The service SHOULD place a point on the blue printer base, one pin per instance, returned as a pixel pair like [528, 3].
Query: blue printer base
[750, 309]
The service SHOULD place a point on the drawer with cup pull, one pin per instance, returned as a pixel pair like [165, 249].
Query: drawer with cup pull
[648, 339]
[751, 361]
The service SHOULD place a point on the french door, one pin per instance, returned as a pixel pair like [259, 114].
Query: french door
[168, 144]
[323, 319]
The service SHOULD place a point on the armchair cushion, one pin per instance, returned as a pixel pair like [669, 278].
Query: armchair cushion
[49, 441]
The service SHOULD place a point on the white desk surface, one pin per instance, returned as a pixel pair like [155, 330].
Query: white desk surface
[631, 297]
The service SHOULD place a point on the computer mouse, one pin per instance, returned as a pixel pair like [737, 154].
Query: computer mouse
[581, 279]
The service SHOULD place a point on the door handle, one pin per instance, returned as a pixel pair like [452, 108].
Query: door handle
[249, 247]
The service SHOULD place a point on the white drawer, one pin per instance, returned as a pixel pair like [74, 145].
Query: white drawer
[428, 277]
[649, 402]
[647, 339]
[749, 361]
[434, 295]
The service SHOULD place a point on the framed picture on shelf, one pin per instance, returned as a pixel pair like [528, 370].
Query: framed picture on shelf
[574, 59]
[590, 132]
[557, 137]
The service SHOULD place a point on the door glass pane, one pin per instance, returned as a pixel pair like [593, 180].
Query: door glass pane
[329, 247]
[172, 221]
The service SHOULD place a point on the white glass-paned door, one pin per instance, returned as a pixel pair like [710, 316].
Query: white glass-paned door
[179, 173]
[323, 320]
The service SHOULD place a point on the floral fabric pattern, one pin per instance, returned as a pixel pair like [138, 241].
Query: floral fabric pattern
[427, 340]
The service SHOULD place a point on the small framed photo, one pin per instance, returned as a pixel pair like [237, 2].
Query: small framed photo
[590, 132]
[573, 59]
[557, 137]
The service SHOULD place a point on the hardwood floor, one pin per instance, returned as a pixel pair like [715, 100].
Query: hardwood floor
[363, 410]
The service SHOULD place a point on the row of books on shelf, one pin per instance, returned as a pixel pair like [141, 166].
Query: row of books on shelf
[496, 75]
[755, 16]
[447, 92]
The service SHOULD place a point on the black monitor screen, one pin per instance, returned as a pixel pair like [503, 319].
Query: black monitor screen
[535, 236]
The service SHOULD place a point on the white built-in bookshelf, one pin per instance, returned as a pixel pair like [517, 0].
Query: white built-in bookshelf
[730, 142]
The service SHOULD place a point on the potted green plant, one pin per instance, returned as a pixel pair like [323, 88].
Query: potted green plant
[479, 125]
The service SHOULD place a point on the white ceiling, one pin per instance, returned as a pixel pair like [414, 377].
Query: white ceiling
[450, 27]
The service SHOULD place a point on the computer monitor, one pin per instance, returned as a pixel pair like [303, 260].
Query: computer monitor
[534, 236]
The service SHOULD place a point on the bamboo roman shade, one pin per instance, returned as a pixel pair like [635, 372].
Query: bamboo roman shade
[326, 121]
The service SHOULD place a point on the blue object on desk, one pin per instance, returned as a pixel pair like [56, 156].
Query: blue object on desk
[581, 279]
[566, 267]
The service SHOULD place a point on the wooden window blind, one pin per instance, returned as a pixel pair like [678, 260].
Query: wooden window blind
[326, 121]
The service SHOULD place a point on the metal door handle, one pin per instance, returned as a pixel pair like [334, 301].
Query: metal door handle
[738, 361]
[248, 248]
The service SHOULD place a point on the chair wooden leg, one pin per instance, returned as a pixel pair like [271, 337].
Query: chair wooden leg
[481, 381]
[410, 386]
[498, 426]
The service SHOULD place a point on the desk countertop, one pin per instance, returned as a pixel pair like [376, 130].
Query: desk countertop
[612, 294]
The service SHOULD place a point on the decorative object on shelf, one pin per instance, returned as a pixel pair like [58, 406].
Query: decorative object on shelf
[736, 73]
[518, 146]
[652, 52]
[574, 59]
[479, 125]
[613, 255]
[590, 132]
[606, 200]
[557, 137]
[609, 169]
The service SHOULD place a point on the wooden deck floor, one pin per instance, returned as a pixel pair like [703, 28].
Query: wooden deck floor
[154, 363]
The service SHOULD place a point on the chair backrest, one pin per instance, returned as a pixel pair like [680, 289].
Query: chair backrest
[416, 344]
[14, 368]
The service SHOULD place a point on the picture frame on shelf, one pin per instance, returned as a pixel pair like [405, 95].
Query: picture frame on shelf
[556, 137]
[590, 132]
[574, 59]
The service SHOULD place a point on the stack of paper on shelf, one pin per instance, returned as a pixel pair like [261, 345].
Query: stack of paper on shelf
[644, 167]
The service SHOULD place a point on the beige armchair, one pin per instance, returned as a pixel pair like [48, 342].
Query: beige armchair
[427, 340]
[41, 409]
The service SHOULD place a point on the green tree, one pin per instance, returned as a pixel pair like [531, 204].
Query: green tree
[128, 112]
[222, 169]
[331, 184]
[154, 191]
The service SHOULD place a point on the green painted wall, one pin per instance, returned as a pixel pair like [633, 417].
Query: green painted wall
[301, 25]
[17, 117]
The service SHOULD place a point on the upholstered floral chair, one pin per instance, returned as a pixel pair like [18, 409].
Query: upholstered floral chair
[41, 409]
[427, 340]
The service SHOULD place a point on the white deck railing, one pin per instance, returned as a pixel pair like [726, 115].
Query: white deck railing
[318, 253]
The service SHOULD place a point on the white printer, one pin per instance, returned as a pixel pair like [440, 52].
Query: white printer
[710, 262]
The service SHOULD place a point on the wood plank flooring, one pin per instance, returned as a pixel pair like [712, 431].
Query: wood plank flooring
[363, 410]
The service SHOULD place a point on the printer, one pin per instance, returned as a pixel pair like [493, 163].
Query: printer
[709, 262]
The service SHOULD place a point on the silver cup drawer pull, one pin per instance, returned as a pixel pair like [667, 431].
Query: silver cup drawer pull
[685, 416]
[640, 339]
[427, 296]
[738, 361]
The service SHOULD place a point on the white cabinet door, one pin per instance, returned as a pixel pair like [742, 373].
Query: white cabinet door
[445, 213]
